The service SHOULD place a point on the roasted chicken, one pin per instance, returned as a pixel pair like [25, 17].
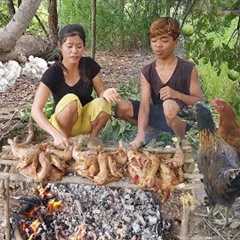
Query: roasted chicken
[100, 165]
[153, 171]
[41, 161]
[217, 161]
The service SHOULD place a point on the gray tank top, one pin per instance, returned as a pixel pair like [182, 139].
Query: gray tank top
[179, 81]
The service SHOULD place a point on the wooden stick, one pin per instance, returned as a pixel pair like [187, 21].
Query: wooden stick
[213, 229]
[68, 179]
[6, 209]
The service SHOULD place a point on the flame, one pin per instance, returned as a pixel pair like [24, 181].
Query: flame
[35, 225]
[44, 192]
[54, 205]
[35, 228]
[24, 227]
[31, 230]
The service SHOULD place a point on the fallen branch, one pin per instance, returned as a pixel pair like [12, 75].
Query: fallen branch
[11, 128]
[8, 123]
[213, 229]
[235, 236]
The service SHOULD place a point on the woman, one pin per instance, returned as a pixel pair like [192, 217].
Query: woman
[70, 82]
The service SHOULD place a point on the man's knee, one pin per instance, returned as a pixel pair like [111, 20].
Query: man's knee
[171, 109]
[124, 110]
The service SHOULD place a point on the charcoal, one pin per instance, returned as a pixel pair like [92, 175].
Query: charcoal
[107, 213]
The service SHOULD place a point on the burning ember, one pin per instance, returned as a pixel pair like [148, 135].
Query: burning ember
[36, 212]
[75, 212]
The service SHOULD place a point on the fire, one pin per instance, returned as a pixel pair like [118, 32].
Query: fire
[54, 205]
[35, 225]
[31, 230]
[44, 192]
[36, 212]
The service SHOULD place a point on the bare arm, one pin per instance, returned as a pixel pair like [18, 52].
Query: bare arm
[39, 102]
[110, 94]
[98, 86]
[195, 91]
[144, 109]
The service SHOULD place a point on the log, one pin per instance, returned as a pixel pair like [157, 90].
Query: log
[26, 46]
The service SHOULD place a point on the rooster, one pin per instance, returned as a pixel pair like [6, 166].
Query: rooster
[229, 127]
[218, 162]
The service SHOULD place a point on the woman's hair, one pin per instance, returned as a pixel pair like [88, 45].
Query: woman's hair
[71, 30]
[164, 25]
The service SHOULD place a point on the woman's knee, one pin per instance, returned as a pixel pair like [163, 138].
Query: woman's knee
[124, 110]
[101, 104]
[171, 109]
[69, 112]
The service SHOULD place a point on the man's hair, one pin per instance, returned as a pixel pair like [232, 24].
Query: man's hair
[164, 25]
[71, 30]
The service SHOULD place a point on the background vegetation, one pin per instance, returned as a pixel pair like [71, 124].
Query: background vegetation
[211, 39]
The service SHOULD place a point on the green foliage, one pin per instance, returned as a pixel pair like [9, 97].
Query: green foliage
[215, 48]
[129, 89]
[49, 108]
[4, 15]
[118, 26]
[34, 27]
[216, 83]
[25, 113]
[163, 140]
[42, 13]
[117, 129]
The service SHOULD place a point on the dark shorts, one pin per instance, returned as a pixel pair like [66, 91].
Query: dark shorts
[157, 118]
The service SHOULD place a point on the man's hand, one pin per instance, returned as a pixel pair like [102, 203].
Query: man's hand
[137, 142]
[111, 95]
[167, 92]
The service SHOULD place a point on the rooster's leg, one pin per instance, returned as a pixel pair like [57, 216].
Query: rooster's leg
[217, 210]
[212, 211]
[227, 213]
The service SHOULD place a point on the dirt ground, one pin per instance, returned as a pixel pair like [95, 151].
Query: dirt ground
[116, 69]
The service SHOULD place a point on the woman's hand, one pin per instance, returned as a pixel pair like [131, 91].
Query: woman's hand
[111, 95]
[60, 140]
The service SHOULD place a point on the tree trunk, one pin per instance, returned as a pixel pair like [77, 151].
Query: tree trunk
[28, 45]
[122, 35]
[18, 24]
[53, 21]
[93, 28]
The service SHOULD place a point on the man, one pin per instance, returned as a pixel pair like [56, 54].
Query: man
[168, 84]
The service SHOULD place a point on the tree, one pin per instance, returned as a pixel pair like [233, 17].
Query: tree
[16, 27]
[93, 43]
[53, 21]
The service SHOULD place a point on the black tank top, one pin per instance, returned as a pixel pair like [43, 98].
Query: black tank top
[179, 81]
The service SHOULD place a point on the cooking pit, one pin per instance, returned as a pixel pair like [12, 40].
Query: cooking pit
[77, 212]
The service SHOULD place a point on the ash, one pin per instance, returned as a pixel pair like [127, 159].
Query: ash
[110, 214]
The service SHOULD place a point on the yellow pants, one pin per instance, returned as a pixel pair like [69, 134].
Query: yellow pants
[85, 114]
